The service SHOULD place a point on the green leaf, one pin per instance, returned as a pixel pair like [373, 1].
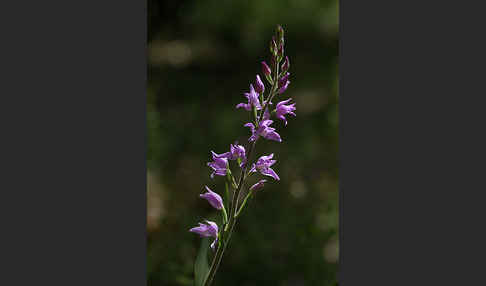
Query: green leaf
[201, 266]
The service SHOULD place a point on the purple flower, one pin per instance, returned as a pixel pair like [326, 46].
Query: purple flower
[283, 83]
[258, 185]
[259, 86]
[206, 229]
[209, 229]
[246, 106]
[263, 130]
[284, 87]
[266, 70]
[252, 97]
[213, 198]
[283, 109]
[283, 80]
[236, 151]
[280, 32]
[286, 64]
[281, 49]
[273, 46]
[218, 165]
[263, 166]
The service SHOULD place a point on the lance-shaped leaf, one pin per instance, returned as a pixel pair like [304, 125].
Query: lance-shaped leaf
[201, 266]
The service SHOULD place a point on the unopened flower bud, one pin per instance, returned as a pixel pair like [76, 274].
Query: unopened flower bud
[267, 72]
[259, 86]
[273, 46]
[280, 51]
[286, 64]
[272, 62]
[280, 32]
[265, 69]
[258, 185]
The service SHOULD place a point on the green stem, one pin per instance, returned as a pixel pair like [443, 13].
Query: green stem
[244, 203]
[230, 177]
[225, 215]
[255, 114]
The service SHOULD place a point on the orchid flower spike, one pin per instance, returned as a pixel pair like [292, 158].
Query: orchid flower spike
[260, 126]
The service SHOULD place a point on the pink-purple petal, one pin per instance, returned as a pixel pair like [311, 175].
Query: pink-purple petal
[272, 135]
[270, 172]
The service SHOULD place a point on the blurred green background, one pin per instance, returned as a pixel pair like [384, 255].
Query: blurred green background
[202, 56]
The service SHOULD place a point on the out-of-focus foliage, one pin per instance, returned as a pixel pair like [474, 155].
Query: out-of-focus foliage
[202, 56]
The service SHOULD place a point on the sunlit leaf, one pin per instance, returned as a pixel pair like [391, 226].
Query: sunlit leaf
[201, 266]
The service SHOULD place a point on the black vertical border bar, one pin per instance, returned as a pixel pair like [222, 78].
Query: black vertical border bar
[74, 200]
[145, 140]
[341, 155]
[409, 122]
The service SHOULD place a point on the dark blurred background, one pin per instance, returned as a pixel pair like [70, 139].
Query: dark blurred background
[202, 56]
